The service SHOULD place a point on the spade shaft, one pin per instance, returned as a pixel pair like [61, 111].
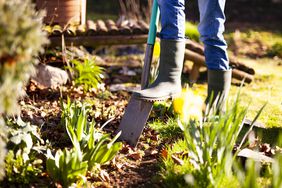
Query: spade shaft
[137, 111]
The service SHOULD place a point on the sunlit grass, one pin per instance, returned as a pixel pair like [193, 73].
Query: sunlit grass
[265, 88]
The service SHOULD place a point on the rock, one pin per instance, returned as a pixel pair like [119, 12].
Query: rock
[50, 77]
[255, 155]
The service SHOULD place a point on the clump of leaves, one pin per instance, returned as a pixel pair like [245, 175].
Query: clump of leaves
[25, 145]
[91, 147]
[66, 167]
[3, 140]
[175, 164]
[97, 147]
[21, 40]
[276, 50]
[191, 31]
[210, 142]
[277, 167]
[86, 73]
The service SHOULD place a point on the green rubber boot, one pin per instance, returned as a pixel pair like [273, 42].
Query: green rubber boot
[219, 83]
[168, 82]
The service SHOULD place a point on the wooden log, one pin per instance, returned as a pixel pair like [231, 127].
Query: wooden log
[101, 28]
[91, 28]
[234, 63]
[111, 26]
[195, 73]
[238, 65]
[240, 75]
[200, 61]
[81, 30]
[195, 47]
[195, 57]
[144, 26]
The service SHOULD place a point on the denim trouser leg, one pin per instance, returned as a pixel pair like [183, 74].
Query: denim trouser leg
[211, 28]
[172, 19]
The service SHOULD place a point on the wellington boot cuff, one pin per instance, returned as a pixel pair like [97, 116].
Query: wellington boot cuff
[219, 83]
[168, 82]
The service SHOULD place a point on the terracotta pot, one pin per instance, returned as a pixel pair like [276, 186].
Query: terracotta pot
[63, 12]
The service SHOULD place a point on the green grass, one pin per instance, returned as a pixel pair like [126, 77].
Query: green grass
[191, 31]
[267, 84]
[172, 174]
[266, 37]
[267, 87]
[167, 130]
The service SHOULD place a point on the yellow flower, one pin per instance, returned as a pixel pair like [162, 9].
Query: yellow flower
[188, 105]
[157, 50]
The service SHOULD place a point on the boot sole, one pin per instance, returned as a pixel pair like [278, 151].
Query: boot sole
[158, 98]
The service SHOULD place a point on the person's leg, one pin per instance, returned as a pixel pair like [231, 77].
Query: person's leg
[172, 19]
[168, 82]
[211, 28]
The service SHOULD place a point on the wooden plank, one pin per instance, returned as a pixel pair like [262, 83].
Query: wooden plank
[94, 41]
[83, 12]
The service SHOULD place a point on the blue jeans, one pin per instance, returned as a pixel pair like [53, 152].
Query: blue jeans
[211, 28]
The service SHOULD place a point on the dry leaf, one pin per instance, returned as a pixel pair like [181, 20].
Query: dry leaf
[104, 176]
[177, 160]
[135, 155]
[164, 153]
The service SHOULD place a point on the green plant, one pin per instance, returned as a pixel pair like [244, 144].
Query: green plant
[191, 31]
[20, 170]
[172, 172]
[211, 142]
[24, 147]
[91, 147]
[96, 147]
[21, 39]
[168, 130]
[276, 50]
[66, 166]
[87, 73]
[3, 151]
[277, 172]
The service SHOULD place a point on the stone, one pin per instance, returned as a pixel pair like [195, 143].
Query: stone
[50, 77]
[255, 155]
